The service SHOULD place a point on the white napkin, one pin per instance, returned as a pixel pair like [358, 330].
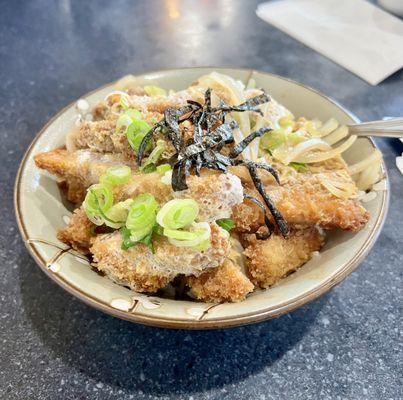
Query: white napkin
[353, 33]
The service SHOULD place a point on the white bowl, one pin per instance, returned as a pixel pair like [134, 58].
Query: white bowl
[41, 212]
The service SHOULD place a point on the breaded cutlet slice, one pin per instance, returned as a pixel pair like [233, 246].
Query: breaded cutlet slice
[78, 233]
[146, 271]
[304, 201]
[267, 261]
[226, 283]
[80, 169]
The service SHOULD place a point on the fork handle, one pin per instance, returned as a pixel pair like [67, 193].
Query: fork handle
[391, 127]
[390, 133]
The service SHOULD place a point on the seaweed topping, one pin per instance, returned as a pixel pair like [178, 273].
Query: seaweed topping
[269, 225]
[203, 150]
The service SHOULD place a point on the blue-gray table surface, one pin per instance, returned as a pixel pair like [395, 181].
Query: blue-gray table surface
[345, 345]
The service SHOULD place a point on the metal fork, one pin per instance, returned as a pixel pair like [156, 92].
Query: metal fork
[391, 127]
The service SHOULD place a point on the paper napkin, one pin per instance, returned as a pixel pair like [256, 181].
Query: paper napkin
[354, 33]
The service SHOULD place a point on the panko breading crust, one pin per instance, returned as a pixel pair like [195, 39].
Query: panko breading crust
[139, 268]
[267, 261]
[221, 284]
[78, 233]
[304, 202]
[78, 170]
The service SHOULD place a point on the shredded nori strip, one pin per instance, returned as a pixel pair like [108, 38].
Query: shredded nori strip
[156, 128]
[179, 172]
[265, 166]
[211, 134]
[267, 221]
[280, 221]
[248, 105]
[240, 147]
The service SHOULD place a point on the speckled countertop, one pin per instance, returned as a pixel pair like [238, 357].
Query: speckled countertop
[345, 345]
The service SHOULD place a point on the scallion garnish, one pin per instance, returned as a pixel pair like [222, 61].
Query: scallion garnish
[154, 90]
[226, 223]
[178, 213]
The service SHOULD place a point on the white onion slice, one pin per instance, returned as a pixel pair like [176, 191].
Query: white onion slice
[329, 126]
[317, 157]
[287, 154]
[375, 156]
[368, 177]
[340, 133]
[342, 190]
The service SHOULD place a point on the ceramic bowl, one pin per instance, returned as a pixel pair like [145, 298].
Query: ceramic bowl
[40, 212]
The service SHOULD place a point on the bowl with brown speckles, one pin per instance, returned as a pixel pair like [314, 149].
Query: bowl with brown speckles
[40, 212]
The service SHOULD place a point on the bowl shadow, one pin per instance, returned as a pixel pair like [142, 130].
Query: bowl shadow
[156, 361]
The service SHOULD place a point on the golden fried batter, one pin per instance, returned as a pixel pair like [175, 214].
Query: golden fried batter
[79, 169]
[224, 283]
[139, 268]
[267, 261]
[303, 201]
[78, 233]
[215, 193]
[123, 267]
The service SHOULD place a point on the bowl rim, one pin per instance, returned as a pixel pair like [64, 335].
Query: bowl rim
[218, 322]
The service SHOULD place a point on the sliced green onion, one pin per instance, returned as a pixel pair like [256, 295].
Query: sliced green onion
[133, 114]
[138, 234]
[136, 132]
[155, 90]
[149, 164]
[124, 102]
[200, 232]
[226, 223]
[161, 169]
[273, 139]
[178, 213]
[116, 216]
[116, 175]
[98, 201]
[142, 213]
[180, 235]
[126, 240]
[127, 118]
[294, 138]
[202, 246]
[286, 122]
[300, 167]
[124, 120]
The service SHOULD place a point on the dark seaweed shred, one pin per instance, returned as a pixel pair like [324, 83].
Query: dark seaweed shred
[203, 150]
[269, 225]
[241, 146]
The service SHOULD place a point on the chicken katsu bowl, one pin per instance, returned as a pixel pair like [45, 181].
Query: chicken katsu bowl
[200, 198]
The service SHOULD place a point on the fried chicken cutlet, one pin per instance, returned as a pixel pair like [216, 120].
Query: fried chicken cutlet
[267, 261]
[303, 201]
[79, 169]
[145, 271]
